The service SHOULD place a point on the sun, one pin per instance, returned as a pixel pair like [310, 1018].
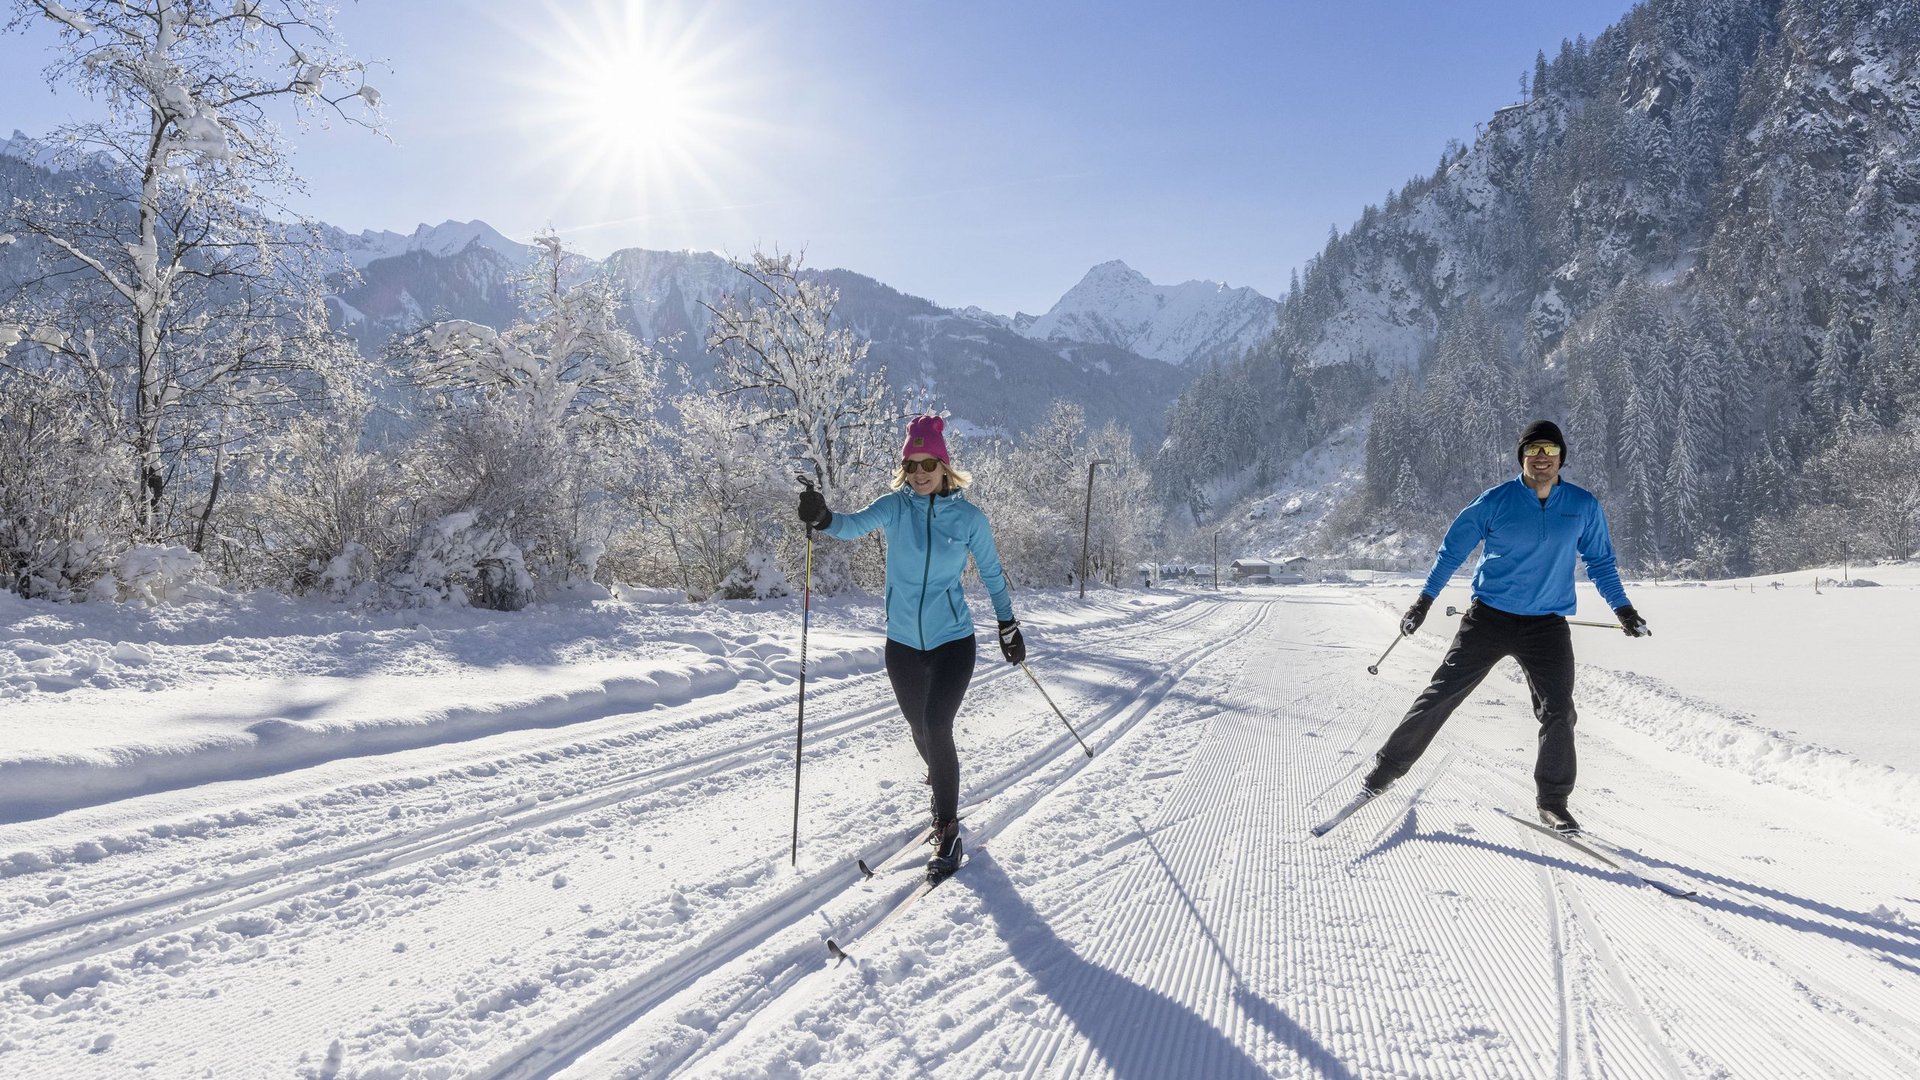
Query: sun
[636, 106]
[632, 106]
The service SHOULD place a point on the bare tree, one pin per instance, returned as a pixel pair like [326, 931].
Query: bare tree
[804, 382]
[168, 296]
[540, 420]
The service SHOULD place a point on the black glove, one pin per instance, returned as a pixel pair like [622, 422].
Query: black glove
[1415, 615]
[1012, 645]
[1631, 622]
[813, 510]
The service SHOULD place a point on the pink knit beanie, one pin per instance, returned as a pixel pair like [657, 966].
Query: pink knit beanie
[923, 437]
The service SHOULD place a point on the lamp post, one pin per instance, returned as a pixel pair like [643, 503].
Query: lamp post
[1216, 560]
[1086, 525]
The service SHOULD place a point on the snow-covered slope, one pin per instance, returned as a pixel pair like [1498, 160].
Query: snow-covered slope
[1181, 324]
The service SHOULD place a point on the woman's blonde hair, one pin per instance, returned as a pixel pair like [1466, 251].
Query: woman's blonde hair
[954, 479]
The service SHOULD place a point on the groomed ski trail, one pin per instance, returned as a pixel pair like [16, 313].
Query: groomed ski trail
[1180, 921]
[615, 900]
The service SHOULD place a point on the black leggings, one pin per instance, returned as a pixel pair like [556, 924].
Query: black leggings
[928, 684]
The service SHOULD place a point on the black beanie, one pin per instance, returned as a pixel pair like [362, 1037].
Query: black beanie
[1541, 431]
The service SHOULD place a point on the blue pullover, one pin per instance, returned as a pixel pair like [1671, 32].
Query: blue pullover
[928, 540]
[1526, 567]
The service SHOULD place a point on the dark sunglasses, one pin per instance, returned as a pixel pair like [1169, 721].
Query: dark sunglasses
[910, 465]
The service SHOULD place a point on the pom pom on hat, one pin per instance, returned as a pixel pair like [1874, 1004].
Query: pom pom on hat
[924, 437]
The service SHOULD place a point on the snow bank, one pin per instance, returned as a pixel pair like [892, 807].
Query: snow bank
[107, 702]
[1769, 755]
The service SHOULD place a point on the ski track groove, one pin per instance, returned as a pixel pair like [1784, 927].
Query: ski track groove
[578, 1034]
[255, 888]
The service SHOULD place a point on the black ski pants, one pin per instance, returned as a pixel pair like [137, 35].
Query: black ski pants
[1544, 650]
[928, 684]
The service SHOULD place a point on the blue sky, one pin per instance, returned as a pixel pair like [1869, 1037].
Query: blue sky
[972, 153]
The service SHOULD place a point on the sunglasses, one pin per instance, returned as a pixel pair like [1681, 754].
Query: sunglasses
[910, 465]
[1535, 448]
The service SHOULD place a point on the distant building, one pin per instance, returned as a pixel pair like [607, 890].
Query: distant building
[1251, 571]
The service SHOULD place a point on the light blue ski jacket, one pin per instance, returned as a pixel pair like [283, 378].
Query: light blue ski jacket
[928, 541]
[1526, 567]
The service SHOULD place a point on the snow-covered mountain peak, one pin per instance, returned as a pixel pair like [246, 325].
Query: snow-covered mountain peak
[1114, 304]
[446, 238]
[24, 147]
[1114, 273]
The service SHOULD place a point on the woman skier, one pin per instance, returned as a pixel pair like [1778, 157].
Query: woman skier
[931, 528]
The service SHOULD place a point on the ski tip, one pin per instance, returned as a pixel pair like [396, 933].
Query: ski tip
[837, 953]
[865, 871]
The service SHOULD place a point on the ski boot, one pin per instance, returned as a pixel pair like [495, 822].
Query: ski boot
[946, 851]
[1555, 815]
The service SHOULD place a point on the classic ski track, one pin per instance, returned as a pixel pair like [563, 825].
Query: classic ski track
[1788, 958]
[1742, 1057]
[1139, 706]
[1174, 819]
[576, 1035]
[1567, 904]
[1888, 1054]
[381, 853]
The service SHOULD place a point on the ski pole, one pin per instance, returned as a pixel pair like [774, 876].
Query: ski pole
[1056, 708]
[800, 729]
[1374, 668]
[1451, 610]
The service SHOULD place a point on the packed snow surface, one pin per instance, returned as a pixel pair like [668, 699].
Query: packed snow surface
[265, 839]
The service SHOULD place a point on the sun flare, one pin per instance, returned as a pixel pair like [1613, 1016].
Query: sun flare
[637, 109]
[637, 105]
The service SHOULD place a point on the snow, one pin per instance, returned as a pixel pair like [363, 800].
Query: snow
[1198, 320]
[246, 835]
[444, 239]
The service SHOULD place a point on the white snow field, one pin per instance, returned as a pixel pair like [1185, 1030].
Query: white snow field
[262, 839]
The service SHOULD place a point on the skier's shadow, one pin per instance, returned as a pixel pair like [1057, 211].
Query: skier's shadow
[1891, 941]
[1137, 1031]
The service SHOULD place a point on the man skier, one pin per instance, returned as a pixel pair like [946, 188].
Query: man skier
[1532, 527]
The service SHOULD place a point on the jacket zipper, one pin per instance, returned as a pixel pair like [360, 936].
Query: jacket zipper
[926, 570]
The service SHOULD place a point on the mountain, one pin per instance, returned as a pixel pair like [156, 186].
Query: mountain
[444, 239]
[22, 147]
[1181, 324]
[986, 373]
[1116, 343]
[1694, 244]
